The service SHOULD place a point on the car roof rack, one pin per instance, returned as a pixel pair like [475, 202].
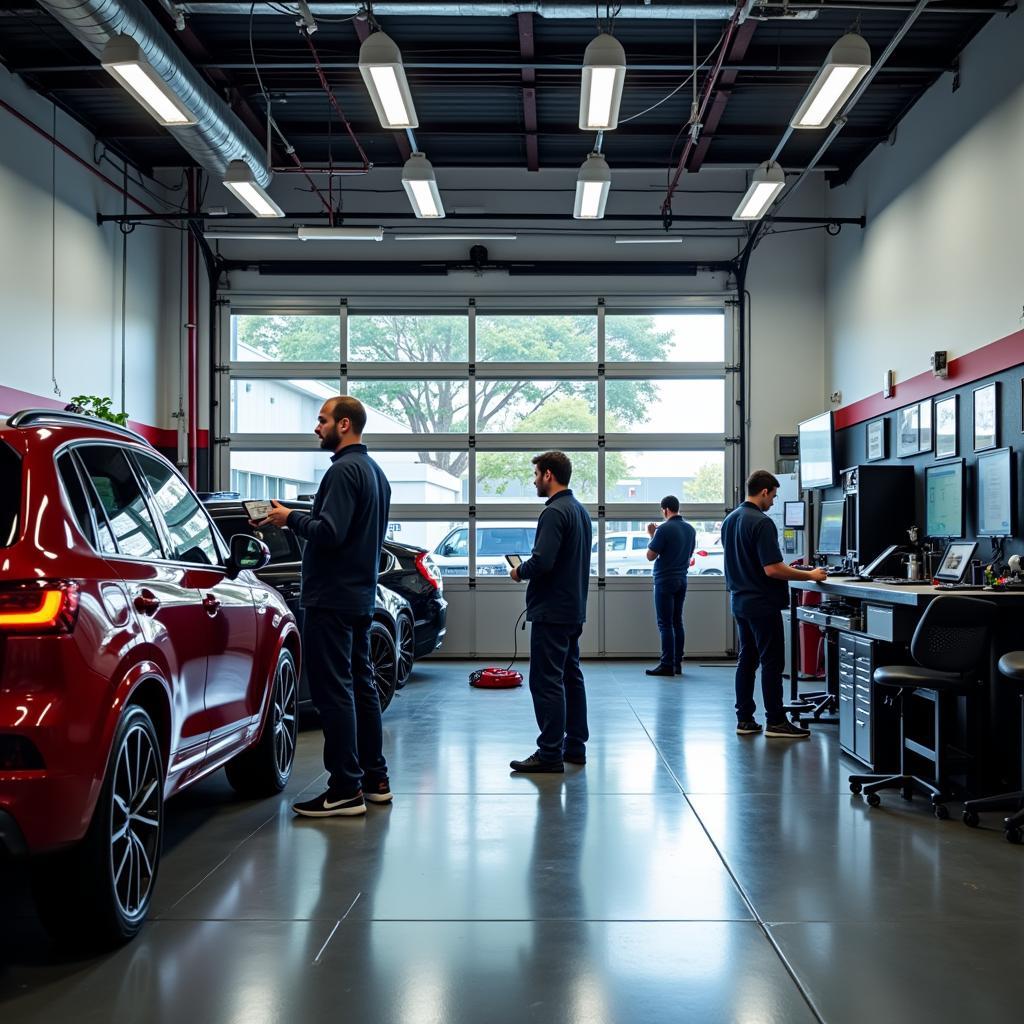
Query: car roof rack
[28, 417]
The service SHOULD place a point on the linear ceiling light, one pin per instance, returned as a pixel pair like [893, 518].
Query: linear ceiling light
[342, 234]
[124, 60]
[300, 234]
[592, 185]
[665, 240]
[239, 180]
[846, 64]
[768, 181]
[421, 185]
[604, 71]
[455, 238]
[380, 64]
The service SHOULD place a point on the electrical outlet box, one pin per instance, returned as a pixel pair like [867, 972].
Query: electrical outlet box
[940, 364]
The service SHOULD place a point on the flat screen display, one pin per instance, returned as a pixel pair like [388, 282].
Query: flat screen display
[944, 499]
[817, 452]
[995, 493]
[794, 515]
[830, 532]
[955, 562]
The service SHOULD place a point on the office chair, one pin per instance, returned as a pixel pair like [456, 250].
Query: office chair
[1011, 666]
[949, 646]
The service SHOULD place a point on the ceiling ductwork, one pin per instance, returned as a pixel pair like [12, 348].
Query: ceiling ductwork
[218, 137]
[541, 8]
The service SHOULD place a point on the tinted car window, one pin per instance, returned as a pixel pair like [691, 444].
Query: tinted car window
[503, 541]
[76, 496]
[189, 529]
[283, 544]
[640, 544]
[120, 497]
[10, 494]
[456, 544]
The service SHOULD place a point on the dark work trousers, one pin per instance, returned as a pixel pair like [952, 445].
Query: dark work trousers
[669, 596]
[336, 649]
[556, 683]
[762, 640]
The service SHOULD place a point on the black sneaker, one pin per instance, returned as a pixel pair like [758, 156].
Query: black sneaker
[786, 730]
[534, 763]
[329, 805]
[661, 670]
[679, 670]
[748, 727]
[574, 758]
[378, 792]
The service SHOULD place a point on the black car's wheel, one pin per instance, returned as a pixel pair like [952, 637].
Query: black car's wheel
[264, 769]
[406, 644]
[384, 661]
[99, 893]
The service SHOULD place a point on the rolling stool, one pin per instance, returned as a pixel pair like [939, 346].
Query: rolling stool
[1012, 667]
[949, 645]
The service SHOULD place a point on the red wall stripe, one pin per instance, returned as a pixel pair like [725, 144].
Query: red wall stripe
[12, 400]
[982, 362]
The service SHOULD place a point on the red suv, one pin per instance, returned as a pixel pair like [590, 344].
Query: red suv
[138, 654]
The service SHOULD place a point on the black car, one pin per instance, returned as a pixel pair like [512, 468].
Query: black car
[406, 571]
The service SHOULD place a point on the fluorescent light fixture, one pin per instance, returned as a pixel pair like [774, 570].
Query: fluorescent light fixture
[421, 186]
[846, 64]
[241, 181]
[124, 60]
[342, 234]
[380, 64]
[455, 238]
[592, 185]
[768, 181]
[604, 71]
[663, 240]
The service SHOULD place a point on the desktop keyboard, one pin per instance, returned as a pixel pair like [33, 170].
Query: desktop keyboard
[959, 586]
[899, 581]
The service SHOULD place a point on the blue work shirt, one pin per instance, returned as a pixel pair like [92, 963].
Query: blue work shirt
[558, 571]
[674, 542]
[344, 534]
[751, 542]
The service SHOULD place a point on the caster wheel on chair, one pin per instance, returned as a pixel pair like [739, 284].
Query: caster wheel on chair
[971, 819]
[873, 799]
[941, 812]
[1014, 835]
[855, 787]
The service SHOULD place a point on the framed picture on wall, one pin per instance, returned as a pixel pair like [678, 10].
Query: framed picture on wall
[947, 424]
[908, 431]
[924, 418]
[986, 417]
[876, 440]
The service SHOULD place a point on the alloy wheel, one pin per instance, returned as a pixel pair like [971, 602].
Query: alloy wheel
[284, 716]
[406, 648]
[382, 658]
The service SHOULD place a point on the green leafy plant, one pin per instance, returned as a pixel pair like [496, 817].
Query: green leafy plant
[94, 405]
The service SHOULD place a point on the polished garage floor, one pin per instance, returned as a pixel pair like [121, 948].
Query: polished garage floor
[686, 874]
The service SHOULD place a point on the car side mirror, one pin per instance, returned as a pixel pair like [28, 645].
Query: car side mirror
[246, 553]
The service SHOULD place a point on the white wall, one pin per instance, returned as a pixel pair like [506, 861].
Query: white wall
[77, 281]
[941, 265]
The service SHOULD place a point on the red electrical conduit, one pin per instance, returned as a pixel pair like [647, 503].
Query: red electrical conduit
[709, 87]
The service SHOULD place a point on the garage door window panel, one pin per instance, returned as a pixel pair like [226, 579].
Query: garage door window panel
[285, 338]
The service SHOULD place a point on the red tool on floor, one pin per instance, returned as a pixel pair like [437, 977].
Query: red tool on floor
[501, 678]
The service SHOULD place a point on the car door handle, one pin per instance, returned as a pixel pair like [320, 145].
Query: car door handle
[146, 602]
[211, 604]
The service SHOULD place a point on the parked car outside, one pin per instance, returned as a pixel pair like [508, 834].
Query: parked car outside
[417, 623]
[139, 653]
[626, 555]
[493, 542]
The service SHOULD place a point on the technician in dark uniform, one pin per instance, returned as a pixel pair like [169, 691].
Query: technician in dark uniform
[344, 534]
[558, 572]
[671, 549]
[757, 579]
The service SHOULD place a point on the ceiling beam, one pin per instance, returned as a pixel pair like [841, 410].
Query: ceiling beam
[362, 29]
[529, 91]
[720, 100]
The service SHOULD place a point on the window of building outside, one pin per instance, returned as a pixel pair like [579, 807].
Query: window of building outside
[664, 379]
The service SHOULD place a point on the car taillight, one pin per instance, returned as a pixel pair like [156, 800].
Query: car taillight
[703, 554]
[36, 608]
[427, 569]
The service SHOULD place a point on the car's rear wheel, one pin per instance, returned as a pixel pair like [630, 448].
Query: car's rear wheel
[406, 644]
[264, 769]
[384, 661]
[99, 893]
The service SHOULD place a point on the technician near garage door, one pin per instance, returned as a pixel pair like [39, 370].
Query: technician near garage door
[558, 573]
[344, 534]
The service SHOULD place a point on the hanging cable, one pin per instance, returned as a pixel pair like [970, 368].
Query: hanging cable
[53, 257]
[126, 229]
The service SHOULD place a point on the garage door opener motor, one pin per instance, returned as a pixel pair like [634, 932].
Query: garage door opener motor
[501, 678]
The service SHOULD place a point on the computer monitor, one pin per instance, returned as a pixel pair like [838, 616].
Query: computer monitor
[817, 452]
[956, 561]
[995, 493]
[794, 515]
[830, 530]
[944, 499]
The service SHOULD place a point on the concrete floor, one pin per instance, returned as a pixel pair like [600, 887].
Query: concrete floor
[686, 874]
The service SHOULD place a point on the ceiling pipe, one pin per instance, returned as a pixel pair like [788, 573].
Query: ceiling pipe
[218, 136]
[541, 8]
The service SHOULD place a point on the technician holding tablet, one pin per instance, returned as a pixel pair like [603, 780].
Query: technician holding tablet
[558, 572]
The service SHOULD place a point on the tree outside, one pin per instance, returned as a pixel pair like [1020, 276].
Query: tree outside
[707, 485]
